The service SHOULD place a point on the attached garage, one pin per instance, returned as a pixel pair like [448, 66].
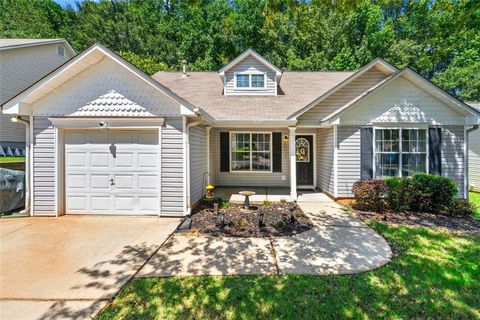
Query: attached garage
[112, 172]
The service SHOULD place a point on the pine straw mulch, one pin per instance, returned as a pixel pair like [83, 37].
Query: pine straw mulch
[238, 222]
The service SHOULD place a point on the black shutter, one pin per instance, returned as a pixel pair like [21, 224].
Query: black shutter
[366, 153]
[435, 150]
[224, 152]
[277, 151]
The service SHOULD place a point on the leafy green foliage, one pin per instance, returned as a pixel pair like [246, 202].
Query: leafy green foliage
[370, 195]
[438, 39]
[431, 193]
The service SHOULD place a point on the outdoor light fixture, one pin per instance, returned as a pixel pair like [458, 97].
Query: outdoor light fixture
[285, 138]
[15, 119]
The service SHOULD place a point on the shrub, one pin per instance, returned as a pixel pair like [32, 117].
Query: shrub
[398, 193]
[280, 224]
[431, 193]
[266, 203]
[370, 195]
[461, 208]
[283, 201]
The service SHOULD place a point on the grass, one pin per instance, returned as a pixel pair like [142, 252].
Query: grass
[12, 159]
[475, 198]
[435, 275]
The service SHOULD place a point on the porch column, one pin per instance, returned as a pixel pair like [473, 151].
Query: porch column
[293, 164]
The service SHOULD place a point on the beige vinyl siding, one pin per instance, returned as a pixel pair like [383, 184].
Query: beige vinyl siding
[341, 97]
[198, 163]
[172, 167]
[453, 154]
[250, 65]
[348, 159]
[474, 160]
[249, 179]
[325, 153]
[43, 167]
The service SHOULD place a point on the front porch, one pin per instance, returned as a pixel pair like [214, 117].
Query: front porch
[272, 194]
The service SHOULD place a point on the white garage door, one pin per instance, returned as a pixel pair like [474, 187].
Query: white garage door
[112, 172]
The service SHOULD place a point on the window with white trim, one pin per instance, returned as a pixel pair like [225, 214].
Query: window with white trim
[400, 152]
[250, 81]
[250, 151]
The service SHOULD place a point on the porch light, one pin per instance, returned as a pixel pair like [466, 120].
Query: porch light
[285, 138]
[15, 119]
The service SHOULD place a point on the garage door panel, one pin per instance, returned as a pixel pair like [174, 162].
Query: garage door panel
[99, 159]
[130, 158]
[124, 182]
[100, 203]
[76, 181]
[100, 182]
[124, 160]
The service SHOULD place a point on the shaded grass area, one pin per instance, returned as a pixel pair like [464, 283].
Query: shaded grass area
[475, 199]
[12, 159]
[434, 275]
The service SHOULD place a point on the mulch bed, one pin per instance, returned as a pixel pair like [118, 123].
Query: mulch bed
[423, 219]
[238, 222]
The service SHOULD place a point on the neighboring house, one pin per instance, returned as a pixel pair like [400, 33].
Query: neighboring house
[474, 154]
[109, 139]
[22, 63]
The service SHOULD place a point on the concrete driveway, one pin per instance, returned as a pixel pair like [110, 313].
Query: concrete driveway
[68, 267]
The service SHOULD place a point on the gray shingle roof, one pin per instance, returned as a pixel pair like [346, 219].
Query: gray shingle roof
[11, 43]
[296, 90]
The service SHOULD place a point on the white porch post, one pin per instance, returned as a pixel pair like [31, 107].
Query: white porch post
[293, 164]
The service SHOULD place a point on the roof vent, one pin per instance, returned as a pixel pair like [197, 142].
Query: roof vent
[184, 73]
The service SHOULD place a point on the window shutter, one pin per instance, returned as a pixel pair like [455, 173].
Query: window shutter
[277, 151]
[435, 150]
[224, 152]
[366, 153]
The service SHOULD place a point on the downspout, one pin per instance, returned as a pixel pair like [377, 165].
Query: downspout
[187, 171]
[18, 119]
[467, 169]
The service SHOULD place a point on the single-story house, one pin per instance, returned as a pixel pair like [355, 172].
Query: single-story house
[105, 138]
[22, 63]
[474, 155]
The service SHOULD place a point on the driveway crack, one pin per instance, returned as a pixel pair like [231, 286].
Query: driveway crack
[274, 254]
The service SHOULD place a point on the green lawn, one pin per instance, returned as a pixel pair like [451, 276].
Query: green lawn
[12, 159]
[475, 198]
[435, 276]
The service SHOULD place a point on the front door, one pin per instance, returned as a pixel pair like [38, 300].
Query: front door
[304, 157]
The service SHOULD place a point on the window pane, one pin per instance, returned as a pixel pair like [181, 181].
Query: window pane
[258, 80]
[387, 165]
[240, 142]
[242, 81]
[387, 140]
[260, 142]
[261, 161]
[413, 163]
[414, 140]
[241, 161]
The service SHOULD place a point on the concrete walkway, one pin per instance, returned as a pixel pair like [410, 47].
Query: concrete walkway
[338, 244]
[69, 267]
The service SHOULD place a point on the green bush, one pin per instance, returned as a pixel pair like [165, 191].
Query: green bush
[462, 209]
[370, 195]
[398, 193]
[431, 193]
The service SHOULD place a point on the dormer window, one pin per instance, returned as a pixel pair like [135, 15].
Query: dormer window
[250, 81]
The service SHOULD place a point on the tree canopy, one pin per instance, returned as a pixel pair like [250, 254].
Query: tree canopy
[440, 39]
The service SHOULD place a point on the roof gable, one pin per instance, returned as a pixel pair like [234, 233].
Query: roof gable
[256, 56]
[415, 81]
[78, 64]
[8, 44]
[378, 63]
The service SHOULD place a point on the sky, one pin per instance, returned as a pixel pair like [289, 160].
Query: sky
[65, 3]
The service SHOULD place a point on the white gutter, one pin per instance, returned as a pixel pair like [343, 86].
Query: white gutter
[186, 161]
[26, 123]
[466, 175]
